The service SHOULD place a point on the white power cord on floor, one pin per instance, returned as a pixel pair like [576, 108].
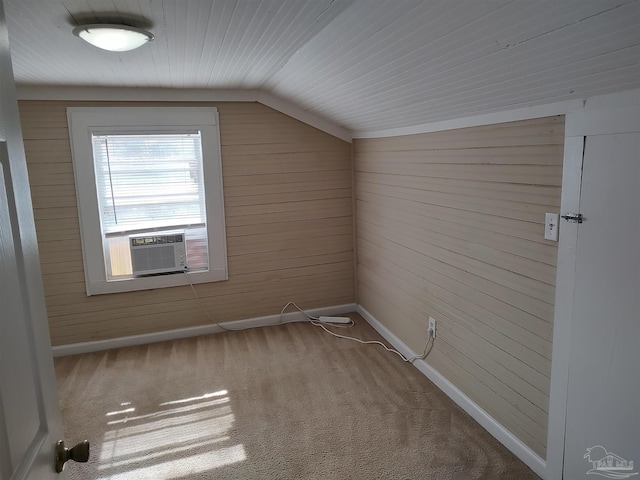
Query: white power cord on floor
[315, 321]
[206, 312]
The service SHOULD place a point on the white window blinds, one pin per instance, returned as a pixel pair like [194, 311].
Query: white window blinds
[149, 181]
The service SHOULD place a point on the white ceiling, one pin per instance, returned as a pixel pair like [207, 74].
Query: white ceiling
[366, 65]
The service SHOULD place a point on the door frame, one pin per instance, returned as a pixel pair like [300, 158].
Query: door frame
[619, 114]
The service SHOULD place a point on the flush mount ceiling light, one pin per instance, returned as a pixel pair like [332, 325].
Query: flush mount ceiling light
[116, 38]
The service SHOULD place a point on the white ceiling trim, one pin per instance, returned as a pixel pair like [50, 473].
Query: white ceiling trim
[598, 102]
[614, 100]
[99, 94]
[133, 94]
[558, 108]
[305, 116]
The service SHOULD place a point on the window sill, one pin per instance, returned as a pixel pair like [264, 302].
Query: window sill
[161, 281]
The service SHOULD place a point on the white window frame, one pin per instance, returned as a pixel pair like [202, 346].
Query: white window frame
[83, 123]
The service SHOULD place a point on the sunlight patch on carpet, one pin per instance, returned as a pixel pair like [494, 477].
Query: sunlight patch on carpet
[184, 466]
[192, 399]
[120, 412]
[172, 411]
[161, 442]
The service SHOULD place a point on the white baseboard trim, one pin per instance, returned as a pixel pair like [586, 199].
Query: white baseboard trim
[504, 436]
[88, 347]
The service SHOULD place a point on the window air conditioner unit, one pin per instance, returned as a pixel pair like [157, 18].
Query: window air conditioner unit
[158, 253]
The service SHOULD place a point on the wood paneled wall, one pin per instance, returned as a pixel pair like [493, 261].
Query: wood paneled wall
[288, 206]
[450, 225]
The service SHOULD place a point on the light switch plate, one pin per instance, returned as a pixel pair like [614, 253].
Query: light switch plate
[551, 226]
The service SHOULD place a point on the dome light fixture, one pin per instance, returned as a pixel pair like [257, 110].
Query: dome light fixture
[113, 37]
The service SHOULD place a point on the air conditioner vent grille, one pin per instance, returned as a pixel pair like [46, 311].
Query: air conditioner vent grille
[158, 253]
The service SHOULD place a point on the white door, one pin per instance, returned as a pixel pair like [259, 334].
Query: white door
[603, 390]
[29, 415]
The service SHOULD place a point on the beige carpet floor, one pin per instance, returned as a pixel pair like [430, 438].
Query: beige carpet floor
[284, 402]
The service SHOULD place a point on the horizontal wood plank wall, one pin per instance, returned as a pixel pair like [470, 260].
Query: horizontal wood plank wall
[450, 225]
[288, 206]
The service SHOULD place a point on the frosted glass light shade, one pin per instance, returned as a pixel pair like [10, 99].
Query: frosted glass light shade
[116, 38]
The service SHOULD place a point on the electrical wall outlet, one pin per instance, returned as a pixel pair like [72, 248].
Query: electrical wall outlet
[432, 326]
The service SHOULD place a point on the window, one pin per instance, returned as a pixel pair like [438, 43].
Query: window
[146, 172]
[150, 183]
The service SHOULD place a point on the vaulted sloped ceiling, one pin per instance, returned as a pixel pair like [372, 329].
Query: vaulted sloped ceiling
[366, 65]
